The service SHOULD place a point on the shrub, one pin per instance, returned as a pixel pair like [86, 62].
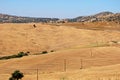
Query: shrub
[52, 51]
[16, 75]
[44, 52]
[21, 54]
[27, 52]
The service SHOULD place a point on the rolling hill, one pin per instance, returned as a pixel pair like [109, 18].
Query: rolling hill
[102, 16]
[5, 18]
[24, 37]
[76, 51]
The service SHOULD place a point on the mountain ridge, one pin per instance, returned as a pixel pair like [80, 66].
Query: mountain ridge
[102, 16]
[6, 18]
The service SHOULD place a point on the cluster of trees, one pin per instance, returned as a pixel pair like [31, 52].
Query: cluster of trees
[19, 55]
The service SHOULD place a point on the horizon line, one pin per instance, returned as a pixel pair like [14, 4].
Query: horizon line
[57, 17]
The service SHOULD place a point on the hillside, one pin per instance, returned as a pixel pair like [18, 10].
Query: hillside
[24, 37]
[4, 18]
[51, 66]
[102, 16]
[91, 52]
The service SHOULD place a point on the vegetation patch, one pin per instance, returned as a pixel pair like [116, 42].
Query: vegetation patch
[16, 75]
[52, 51]
[19, 55]
[44, 52]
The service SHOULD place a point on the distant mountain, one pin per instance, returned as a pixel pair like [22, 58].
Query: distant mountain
[103, 16]
[4, 18]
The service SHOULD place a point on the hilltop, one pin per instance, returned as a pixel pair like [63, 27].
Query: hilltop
[100, 17]
[5, 18]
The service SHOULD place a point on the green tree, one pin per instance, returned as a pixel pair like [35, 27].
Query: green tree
[16, 75]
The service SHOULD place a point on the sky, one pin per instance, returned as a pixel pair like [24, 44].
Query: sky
[57, 8]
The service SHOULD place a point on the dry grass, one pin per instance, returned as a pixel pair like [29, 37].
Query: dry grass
[100, 60]
[94, 25]
[23, 37]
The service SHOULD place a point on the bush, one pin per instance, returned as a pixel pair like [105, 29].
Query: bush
[21, 54]
[16, 75]
[52, 51]
[44, 52]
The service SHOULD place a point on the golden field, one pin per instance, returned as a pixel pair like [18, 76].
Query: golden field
[93, 46]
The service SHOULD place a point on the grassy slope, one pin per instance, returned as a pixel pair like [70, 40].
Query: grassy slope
[23, 37]
[69, 43]
[100, 65]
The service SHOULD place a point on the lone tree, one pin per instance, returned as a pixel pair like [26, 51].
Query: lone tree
[17, 75]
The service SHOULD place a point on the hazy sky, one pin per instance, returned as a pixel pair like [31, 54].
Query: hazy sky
[57, 8]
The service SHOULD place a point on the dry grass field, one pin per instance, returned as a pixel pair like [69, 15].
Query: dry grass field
[86, 51]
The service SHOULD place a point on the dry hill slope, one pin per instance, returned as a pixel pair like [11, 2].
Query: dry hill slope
[23, 37]
[98, 50]
[100, 57]
[99, 65]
